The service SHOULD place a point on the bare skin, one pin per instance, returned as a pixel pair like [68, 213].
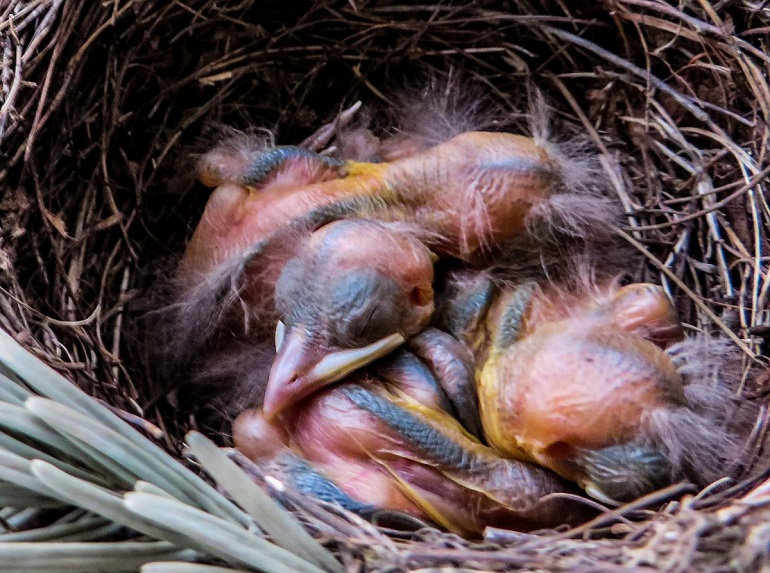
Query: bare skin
[396, 449]
[579, 382]
[467, 195]
[356, 291]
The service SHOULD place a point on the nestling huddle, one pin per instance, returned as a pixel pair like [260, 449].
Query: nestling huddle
[426, 360]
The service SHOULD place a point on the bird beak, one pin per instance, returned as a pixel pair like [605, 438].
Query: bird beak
[304, 365]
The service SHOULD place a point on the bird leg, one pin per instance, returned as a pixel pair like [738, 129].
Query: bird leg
[405, 373]
[508, 317]
[434, 456]
[463, 309]
[452, 364]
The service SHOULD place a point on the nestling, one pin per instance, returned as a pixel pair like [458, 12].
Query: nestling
[377, 443]
[600, 385]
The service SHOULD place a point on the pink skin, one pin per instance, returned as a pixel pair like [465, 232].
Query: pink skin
[375, 464]
[338, 450]
[258, 439]
[338, 250]
[587, 371]
[469, 194]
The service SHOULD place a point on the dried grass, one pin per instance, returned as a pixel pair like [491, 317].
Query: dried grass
[103, 107]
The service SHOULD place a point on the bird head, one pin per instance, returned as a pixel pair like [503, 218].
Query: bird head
[357, 291]
[645, 310]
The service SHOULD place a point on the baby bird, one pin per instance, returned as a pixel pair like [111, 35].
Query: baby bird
[384, 441]
[356, 291]
[475, 189]
[598, 385]
[588, 381]
[468, 195]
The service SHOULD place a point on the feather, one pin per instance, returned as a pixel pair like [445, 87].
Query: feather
[707, 437]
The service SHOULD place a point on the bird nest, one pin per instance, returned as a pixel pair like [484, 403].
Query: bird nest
[105, 106]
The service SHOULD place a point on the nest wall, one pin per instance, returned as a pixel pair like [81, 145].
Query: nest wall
[104, 107]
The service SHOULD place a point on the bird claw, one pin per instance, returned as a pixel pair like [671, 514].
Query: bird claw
[324, 134]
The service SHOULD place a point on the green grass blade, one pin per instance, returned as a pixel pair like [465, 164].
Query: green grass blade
[100, 501]
[20, 519]
[181, 567]
[13, 495]
[26, 423]
[176, 481]
[47, 382]
[217, 536]
[59, 531]
[11, 391]
[22, 422]
[17, 362]
[283, 527]
[146, 487]
[126, 459]
[18, 471]
[10, 375]
[28, 452]
[103, 556]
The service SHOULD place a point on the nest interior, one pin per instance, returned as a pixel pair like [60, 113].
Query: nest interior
[105, 106]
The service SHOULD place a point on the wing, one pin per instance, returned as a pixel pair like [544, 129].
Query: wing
[449, 474]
